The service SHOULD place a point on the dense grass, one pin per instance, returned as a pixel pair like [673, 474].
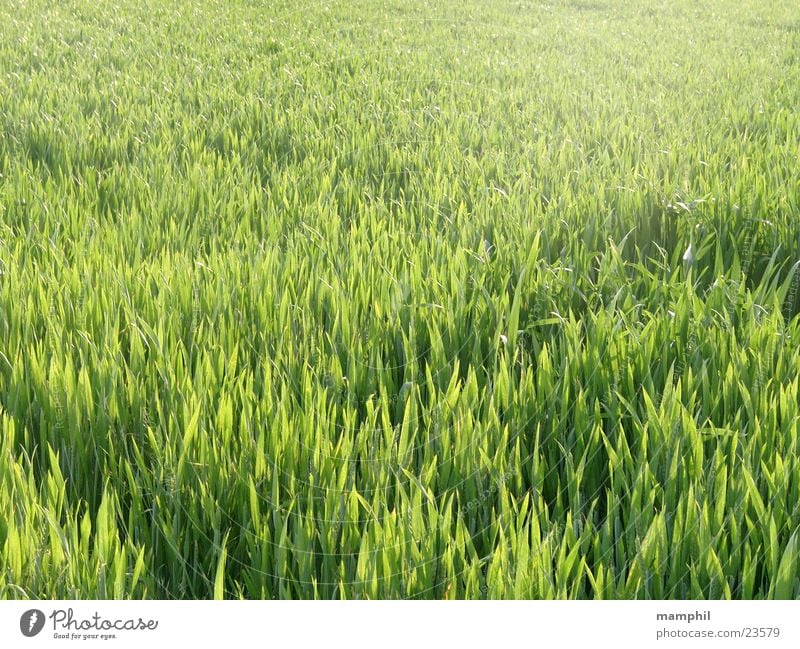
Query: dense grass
[397, 299]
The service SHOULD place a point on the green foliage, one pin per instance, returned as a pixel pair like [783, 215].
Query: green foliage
[399, 300]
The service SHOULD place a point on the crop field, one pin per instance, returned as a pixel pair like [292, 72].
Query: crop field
[399, 299]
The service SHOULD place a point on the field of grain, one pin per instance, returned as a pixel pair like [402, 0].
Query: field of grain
[399, 299]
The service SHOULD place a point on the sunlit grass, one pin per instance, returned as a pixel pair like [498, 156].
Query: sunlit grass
[383, 299]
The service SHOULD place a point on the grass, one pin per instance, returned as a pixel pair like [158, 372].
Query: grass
[398, 300]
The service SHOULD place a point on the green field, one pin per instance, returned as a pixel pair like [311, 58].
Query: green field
[399, 299]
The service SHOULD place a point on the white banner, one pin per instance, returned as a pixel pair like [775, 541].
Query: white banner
[409, 624]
